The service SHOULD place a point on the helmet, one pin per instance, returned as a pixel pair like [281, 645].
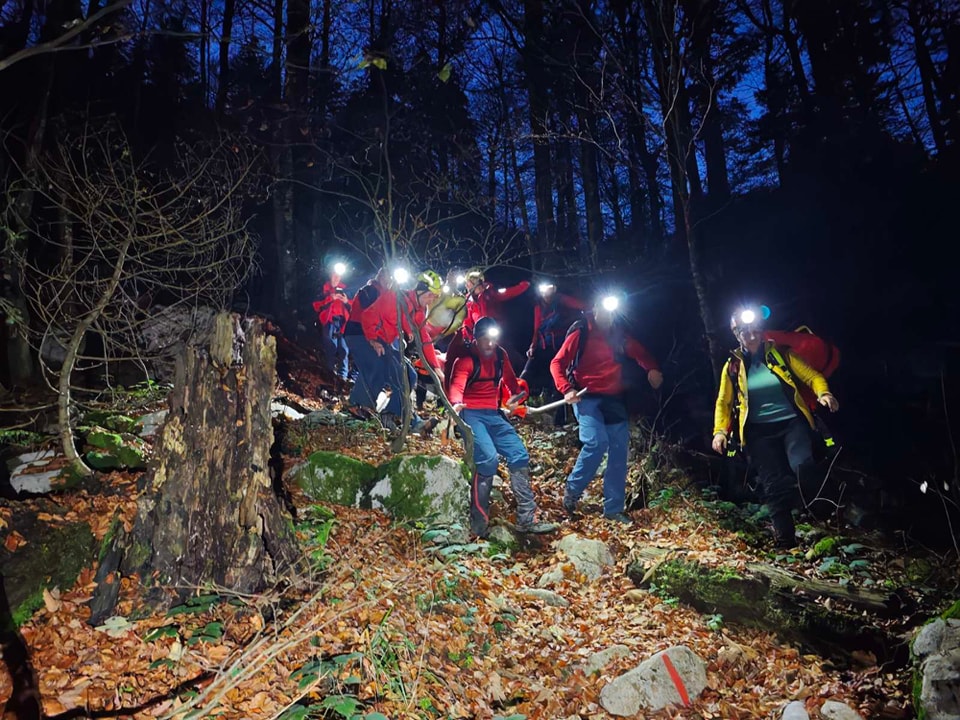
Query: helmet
[430, 281]
[474, 276]
[486, 327]
[749, 317]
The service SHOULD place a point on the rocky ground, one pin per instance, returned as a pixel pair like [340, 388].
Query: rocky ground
[392, 624]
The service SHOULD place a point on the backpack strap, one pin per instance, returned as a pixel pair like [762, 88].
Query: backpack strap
[582, 326]
[498, 371]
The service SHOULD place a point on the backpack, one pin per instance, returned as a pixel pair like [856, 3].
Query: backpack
[822, 356]
[498, 372]
[619, 345]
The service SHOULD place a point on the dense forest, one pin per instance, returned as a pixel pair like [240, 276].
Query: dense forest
[697, 153]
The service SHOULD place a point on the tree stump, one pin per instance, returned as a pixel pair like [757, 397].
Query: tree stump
[209, 514]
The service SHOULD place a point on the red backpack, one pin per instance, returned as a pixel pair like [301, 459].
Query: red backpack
[822, 356]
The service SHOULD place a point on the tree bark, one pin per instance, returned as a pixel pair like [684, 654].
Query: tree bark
[928, 75]
[537, 87]
[211, 515]
[223, 81]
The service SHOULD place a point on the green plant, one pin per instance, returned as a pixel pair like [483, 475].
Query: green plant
[714, 622]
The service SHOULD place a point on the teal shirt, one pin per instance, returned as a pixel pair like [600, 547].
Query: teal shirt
[766, 400]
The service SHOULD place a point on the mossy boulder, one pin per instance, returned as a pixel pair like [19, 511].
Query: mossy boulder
[114, 450]
[436, 488]
[335, 478]
[53, 557]
[413, 487]
[115, 422]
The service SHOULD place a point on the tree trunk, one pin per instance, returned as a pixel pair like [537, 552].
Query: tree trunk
[927, 76]
[537, 89]
[223, 81]
[211, 515]
[769, 598]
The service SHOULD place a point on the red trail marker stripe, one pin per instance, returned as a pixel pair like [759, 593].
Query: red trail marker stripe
[677, 680]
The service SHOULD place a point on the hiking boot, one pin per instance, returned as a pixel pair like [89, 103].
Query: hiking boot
[570, 507]
[537, 528]
[426, 429]
[619, 518]
[390, 422]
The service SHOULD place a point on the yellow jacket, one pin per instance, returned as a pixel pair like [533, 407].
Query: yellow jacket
[785, 365]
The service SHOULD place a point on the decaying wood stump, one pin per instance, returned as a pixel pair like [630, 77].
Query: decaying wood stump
[209, 514]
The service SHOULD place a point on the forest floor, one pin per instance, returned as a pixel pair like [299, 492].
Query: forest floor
[390, 625]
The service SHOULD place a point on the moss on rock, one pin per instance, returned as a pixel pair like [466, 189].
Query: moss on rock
[423, 487]
[52, 558]
[334, 478]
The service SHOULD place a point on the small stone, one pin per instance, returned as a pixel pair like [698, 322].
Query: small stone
[795, 711]
[833, 710]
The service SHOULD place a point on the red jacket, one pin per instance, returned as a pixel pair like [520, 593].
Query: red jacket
[484, 393]
[380, 322]
[487, 302]
[331, 307]
[550, 321]
[597, 370]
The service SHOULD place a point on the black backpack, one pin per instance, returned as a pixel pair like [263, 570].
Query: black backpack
[498, 373]
[619, 344]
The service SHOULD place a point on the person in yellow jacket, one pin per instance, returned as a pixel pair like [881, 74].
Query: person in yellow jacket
[760, 404]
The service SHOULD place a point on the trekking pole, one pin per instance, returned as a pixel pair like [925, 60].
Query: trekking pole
[553, 405]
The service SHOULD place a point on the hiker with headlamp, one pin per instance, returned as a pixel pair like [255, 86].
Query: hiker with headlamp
[475, 394]
[761, 399]
[382, 324]
[552, 315]
[592, 358]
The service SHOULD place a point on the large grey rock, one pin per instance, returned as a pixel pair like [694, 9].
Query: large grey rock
[335, 478]
[550, 598]
[833, 710]
[795, 711]
[936, 657]
[436, 488]
[599, 660]
[651, 686]
[588, 556]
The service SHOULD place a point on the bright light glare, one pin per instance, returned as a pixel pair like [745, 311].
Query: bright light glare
[544, 288]
[461, 279]
[747, 317]
[611, 303]
[340, 268]
[493, 332]
[446, 289]
[401, 275]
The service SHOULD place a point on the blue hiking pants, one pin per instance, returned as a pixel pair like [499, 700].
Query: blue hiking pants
[600, 439]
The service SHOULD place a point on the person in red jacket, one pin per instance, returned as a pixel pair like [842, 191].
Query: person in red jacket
[475, 395]
[552, 315]
[591, 359]
[368, 383]
[483, 300]
[381, 326]
[333, 311]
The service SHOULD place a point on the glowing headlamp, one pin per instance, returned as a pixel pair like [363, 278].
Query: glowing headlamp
[610, 303]
[545, 287]
[492, 332]
[748, 317]
[401, 276]
[461, 280]
[340, 268]
[446, 289]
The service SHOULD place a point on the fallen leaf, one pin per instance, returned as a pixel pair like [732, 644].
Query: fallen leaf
[14, 541]
[51, 599]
